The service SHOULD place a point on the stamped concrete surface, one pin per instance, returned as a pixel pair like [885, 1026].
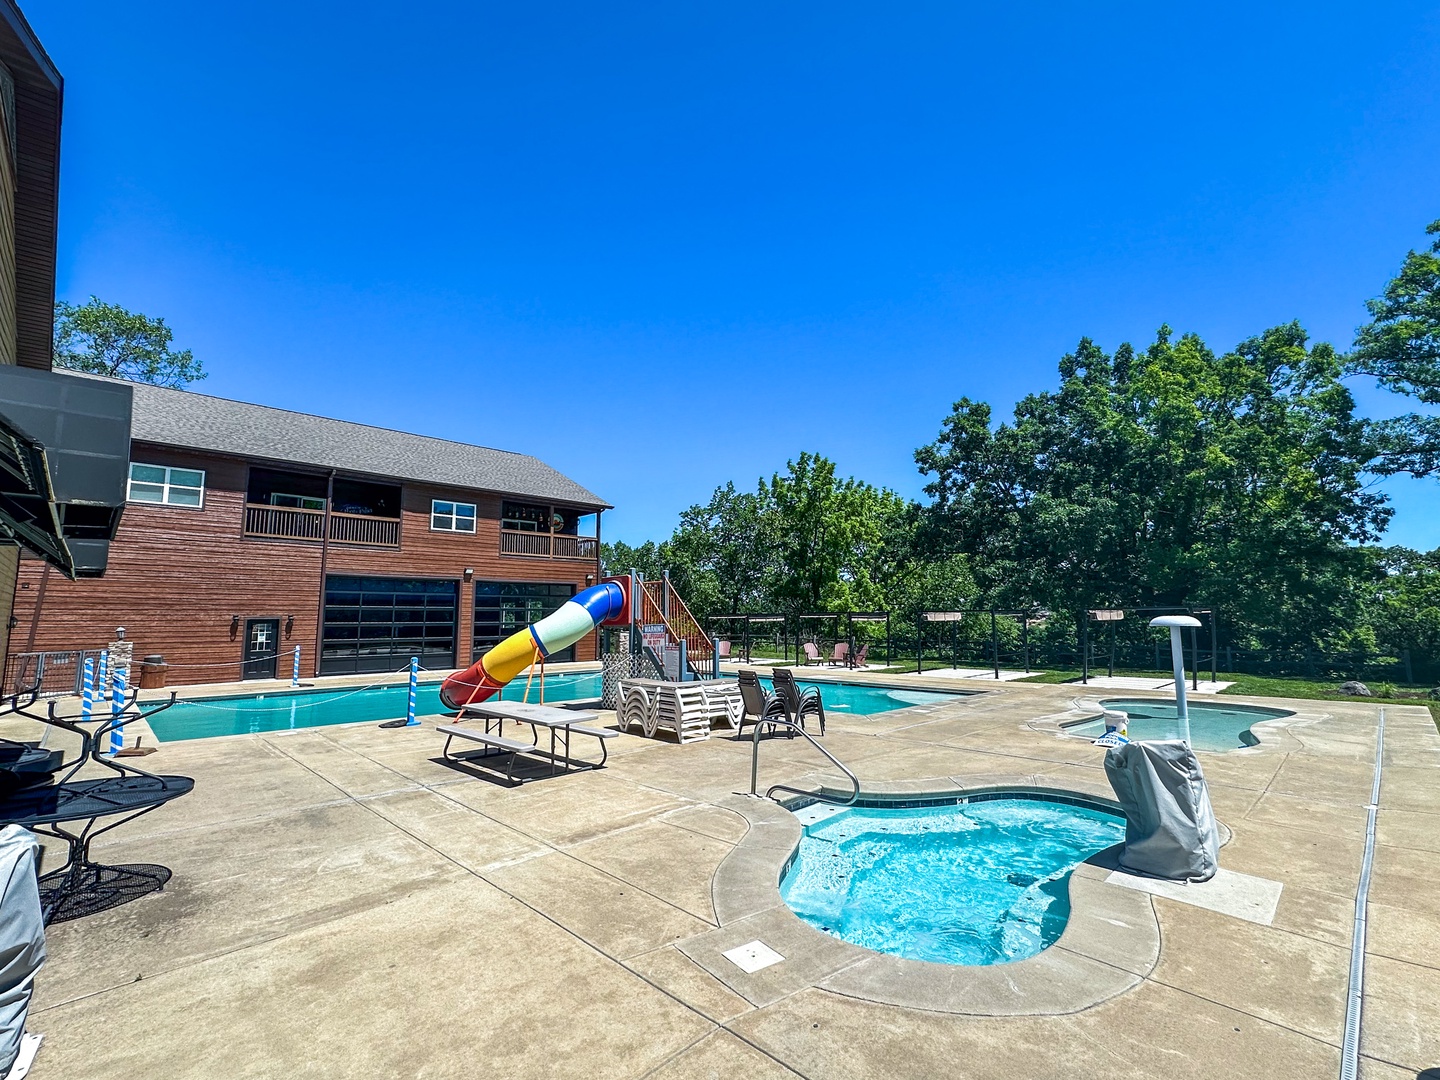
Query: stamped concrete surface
[347, 904]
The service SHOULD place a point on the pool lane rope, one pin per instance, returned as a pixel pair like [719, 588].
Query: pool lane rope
[1355, 1000]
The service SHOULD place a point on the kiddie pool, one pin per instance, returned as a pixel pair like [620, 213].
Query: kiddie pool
[1213, 726]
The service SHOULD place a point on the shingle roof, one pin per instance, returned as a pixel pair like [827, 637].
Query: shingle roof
[200, 422]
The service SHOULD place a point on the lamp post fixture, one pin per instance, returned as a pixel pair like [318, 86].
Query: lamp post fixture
[1176, 623]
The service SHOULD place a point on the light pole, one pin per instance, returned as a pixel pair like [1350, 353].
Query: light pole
[1176, 623]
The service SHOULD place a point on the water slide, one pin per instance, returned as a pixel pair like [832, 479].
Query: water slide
[607, 603]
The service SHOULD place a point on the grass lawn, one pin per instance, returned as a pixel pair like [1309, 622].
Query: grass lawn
[1249, 685]
[1274, 686]
[1315, 689]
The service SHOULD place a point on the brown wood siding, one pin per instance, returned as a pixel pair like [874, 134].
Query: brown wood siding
[37, 113]
[177, 576]
[7, 246]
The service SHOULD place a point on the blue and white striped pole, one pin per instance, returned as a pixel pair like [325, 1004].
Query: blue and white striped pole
[87, 689]
[103, 675]
[410, 720]
[117, 706]
[295, 675]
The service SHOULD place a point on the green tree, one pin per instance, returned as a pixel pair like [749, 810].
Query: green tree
[828, 537]
[1169, 476]
[1400, 347]
[106, 339]
[1404, 608]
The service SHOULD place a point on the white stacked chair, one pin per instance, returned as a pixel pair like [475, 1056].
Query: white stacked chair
[637, 706]
[723, 702]
[682, 707]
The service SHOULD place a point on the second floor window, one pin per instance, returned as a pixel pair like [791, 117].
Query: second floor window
[452, 516]
[162, 484]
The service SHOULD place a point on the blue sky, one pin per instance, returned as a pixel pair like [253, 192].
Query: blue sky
[663, 247]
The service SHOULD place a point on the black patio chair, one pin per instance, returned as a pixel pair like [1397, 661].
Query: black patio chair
[798, 703]
[759, 703]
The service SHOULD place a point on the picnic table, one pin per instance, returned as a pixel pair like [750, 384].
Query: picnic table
[561, 723]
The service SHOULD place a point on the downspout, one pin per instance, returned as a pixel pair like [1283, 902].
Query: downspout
[324, 559]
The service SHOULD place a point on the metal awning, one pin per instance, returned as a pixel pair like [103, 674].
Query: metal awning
[64, 461]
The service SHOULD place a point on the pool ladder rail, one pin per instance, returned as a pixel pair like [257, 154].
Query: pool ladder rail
[820, 796]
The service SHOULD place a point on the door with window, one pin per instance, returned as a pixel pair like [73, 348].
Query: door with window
[262, 644]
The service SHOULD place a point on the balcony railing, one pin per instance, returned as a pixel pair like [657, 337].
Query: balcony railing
[364, 529]
[546, 546]
[292, 523]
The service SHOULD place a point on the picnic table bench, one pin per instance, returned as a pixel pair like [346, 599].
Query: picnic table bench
[564, 721]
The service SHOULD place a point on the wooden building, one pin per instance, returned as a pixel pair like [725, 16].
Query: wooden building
[250, 530]
[62, 443]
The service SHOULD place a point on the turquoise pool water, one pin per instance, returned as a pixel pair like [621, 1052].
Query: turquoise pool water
[1213, 726]
[873, 700]
[978, 883]
[278, 710]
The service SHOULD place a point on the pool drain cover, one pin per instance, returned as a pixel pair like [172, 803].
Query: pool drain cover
[753, 956]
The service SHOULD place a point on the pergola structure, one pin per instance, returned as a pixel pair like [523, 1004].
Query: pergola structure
[1112, 616]
[954, 618]
[745, 621]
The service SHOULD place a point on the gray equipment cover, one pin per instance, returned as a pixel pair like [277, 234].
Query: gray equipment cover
[1170, 829]
[22, 936]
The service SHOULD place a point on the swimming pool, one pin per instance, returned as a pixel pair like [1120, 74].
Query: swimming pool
[205, 718]
[983, 882]
[1213, 726]
[860, 700]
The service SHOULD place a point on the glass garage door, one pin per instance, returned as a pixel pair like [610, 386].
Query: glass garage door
[502, 607]
[375, 624]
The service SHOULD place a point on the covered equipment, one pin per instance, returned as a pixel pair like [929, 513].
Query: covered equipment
[1170, 829]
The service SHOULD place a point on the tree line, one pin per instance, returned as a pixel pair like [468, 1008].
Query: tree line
[1170, 475]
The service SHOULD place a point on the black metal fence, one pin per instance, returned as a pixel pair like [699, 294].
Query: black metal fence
[976, 640]
[52, 674]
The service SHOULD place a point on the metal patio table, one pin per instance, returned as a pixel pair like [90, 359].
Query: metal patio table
[82, 886]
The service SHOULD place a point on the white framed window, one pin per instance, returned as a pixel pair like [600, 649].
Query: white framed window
[164, 485]
[452, 516]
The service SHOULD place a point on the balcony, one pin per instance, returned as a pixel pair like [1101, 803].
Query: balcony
[538, 545]
[294, 523]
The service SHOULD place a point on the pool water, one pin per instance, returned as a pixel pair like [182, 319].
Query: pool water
[279, 710]
[276, 711]
[976, 883]
[1213, 726]
[858, 700]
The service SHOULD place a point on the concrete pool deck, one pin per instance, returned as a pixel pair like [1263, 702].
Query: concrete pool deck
[346, 905]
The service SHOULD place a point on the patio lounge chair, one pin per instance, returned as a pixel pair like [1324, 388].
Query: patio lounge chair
[840, 657]
[798, 703]
[760, 705]
[722, 650]
[812, 653]
[857, 659]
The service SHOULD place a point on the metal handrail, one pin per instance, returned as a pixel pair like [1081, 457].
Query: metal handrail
[785, 721]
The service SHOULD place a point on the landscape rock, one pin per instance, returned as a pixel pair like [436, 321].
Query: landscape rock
[1355, 689]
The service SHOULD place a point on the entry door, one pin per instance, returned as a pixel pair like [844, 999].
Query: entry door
[262, 642]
